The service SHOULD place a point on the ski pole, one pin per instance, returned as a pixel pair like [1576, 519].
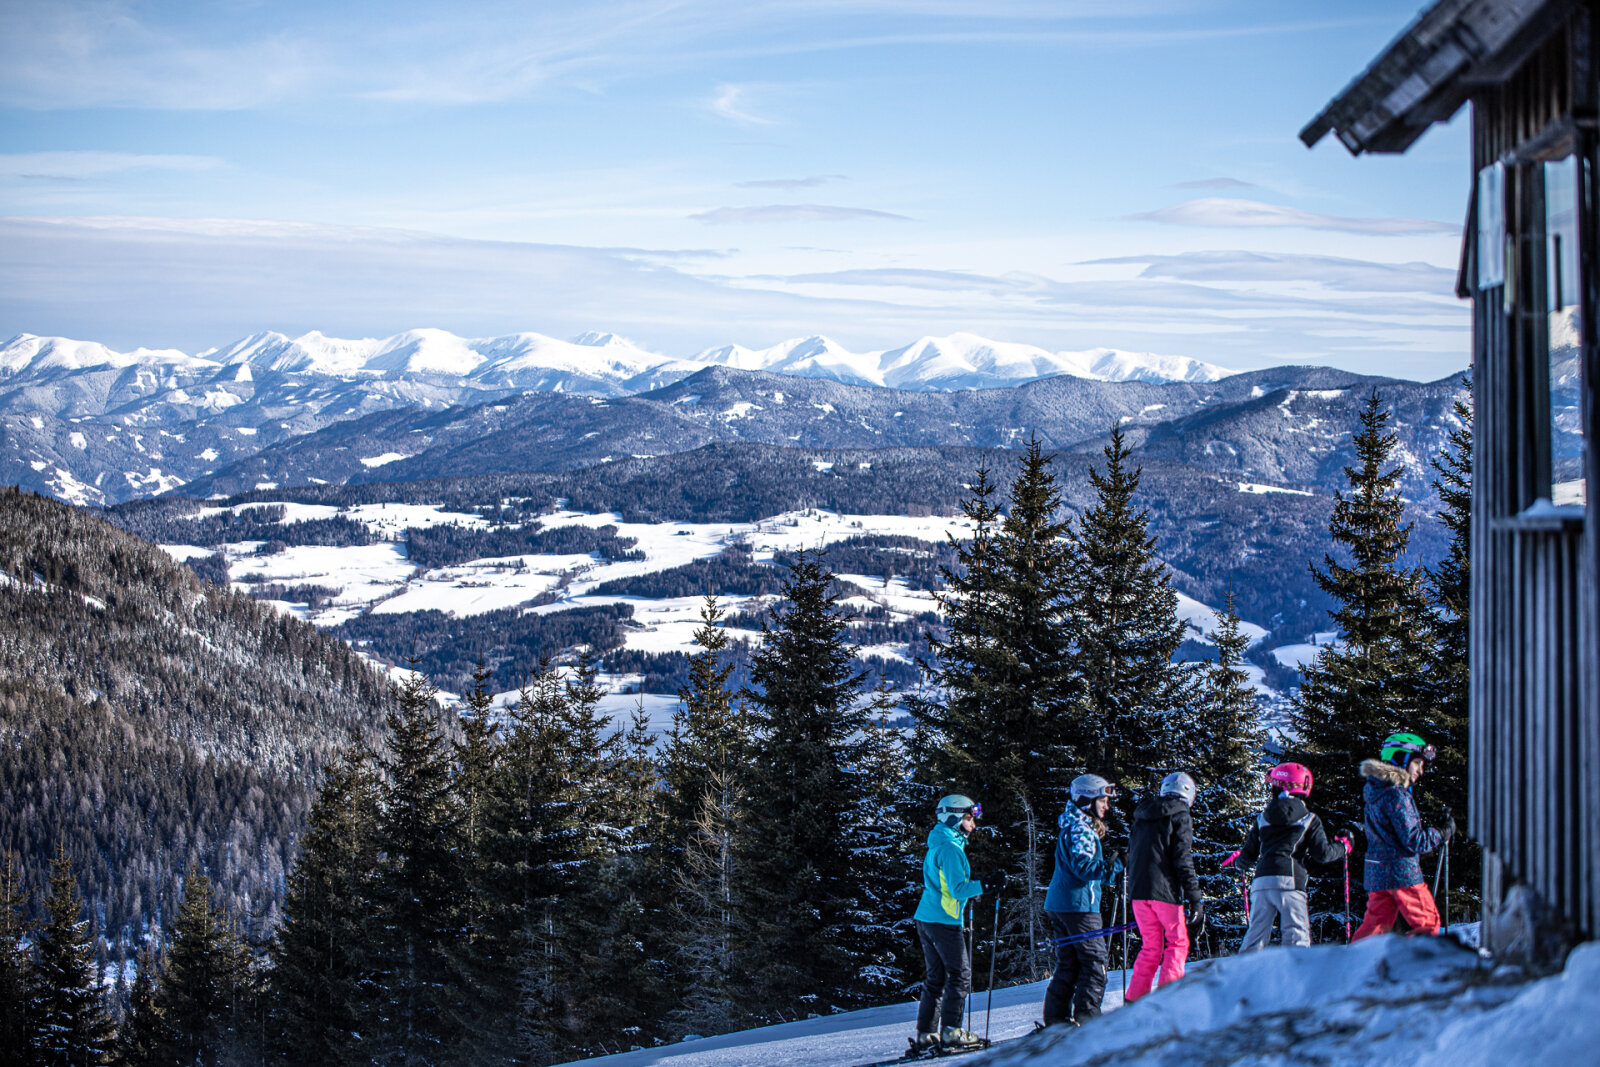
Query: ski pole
[1438, 872]
[971, 929]
[994, 950]
[1124, 936]
[1345, 841]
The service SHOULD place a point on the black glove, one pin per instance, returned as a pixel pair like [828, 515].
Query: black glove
[1448, 830]
[997, 881]
[1352, 832]
[1197, 916]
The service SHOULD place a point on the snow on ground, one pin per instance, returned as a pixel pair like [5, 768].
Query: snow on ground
[1295, 655]
[1204, 621]
[1257, 487]
[1387, 1000]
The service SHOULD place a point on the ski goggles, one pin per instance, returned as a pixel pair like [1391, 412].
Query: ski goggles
[1425, 753]
[976, 811]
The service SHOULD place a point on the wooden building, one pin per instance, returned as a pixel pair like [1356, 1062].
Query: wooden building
[1530, 262]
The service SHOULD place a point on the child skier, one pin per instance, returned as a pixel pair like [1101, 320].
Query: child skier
[947, 885]
[1160, 877]
[1284, 837]
[1396, 837]
[1072, 905]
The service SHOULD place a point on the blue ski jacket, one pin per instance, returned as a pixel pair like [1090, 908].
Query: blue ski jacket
[947, 882]
[1081, 867]
[1395, 834]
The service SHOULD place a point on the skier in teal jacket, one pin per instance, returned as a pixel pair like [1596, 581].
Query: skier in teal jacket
[947, 885]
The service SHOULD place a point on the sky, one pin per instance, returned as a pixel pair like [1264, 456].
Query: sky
[688, 173]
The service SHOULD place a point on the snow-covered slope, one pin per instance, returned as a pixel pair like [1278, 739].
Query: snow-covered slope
[1390, 1000]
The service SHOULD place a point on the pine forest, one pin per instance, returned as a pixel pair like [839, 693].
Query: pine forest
[230, 839]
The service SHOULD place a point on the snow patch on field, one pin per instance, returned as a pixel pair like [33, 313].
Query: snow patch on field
[383, 460]
[1204, 621]
[1257, 487]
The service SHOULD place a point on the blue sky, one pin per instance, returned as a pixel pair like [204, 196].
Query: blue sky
[1068, 174]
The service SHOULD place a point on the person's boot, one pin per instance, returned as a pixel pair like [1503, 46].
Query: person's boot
[925, 1039]
[955, 1037]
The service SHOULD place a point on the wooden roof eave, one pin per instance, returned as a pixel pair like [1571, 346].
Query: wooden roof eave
[1451, 50]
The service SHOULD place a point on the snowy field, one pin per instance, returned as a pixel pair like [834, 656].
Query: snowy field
[380, 579]
[1388, 1000]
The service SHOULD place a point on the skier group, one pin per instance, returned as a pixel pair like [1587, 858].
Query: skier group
[1160, 880]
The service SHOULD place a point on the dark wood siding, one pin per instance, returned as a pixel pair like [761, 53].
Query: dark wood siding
[1535, 802]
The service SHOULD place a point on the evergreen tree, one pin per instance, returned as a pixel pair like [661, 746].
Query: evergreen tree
[204, 999]
[1445, 712]
[703, 762]
[479, 969]
[72, 1026]
[320, 977]
[1371, 683]
[419, 884]
[142, 1035]
[1134, 698]
[17, 988]
[1223, 748]
[799, 884]
[1002, 727]
[884, 843]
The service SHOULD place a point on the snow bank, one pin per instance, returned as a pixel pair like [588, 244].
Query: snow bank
[1388, 1000]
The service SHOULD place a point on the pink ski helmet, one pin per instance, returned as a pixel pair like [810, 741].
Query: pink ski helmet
[1292, 778]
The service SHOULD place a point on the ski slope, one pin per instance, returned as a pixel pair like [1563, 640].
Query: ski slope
[1387, 1000]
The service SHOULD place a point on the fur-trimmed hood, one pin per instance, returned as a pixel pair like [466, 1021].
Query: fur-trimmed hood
[1382, 773]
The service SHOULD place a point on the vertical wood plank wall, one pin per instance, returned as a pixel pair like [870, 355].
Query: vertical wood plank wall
[1535, 640]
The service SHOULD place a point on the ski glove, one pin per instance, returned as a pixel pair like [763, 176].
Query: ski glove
[997, 881]
[1448, 830]
[1116, 869]
[1197, 919]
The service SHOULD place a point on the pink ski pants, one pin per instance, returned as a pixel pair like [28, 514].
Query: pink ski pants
[1166, 945]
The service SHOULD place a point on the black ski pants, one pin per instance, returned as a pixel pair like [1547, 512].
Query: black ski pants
[1079, 984]
[948, 975]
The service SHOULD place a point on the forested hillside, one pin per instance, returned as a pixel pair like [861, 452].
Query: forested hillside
[152, 721]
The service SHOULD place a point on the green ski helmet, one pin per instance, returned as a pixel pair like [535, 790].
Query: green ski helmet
[952, 809]
[1401, 749]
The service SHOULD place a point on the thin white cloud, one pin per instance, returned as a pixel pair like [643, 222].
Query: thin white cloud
[1331, 272]
[197, 283]
[731, 103]
[80, 166]
[1230, 213]
[792, 213]
[791, 183]
[1215, 183]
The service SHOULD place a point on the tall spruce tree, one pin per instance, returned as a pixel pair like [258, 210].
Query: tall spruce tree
[1445, 713]
[205, 998]
[17, 985]
[884, 838]
[1222, 747]
[419, 885]
[710, 733]
[320, 979]
[1134, 699]
[799, 883]
[71, 1025]
[1000, 725]
[142, 1034]
[1372, 682]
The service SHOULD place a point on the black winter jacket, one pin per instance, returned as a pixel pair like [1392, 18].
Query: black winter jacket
[1284, 837]
[1160, 853]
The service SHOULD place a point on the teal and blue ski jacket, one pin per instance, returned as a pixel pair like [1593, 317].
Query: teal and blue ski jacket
[947, 882]
[1081, 867]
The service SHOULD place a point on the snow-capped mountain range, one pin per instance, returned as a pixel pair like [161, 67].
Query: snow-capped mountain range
[603, 363]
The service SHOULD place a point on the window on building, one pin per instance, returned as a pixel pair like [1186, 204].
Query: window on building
[1565, 345]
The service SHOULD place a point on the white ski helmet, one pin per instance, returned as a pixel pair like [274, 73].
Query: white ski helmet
[1088, 787]
[1179, 784]
[955, 807]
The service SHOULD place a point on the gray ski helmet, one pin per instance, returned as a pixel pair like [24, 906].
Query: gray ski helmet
[1178, 784]
[952, 809]
[1089, 787]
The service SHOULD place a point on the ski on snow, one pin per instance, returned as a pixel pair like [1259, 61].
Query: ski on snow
[935, 1052]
